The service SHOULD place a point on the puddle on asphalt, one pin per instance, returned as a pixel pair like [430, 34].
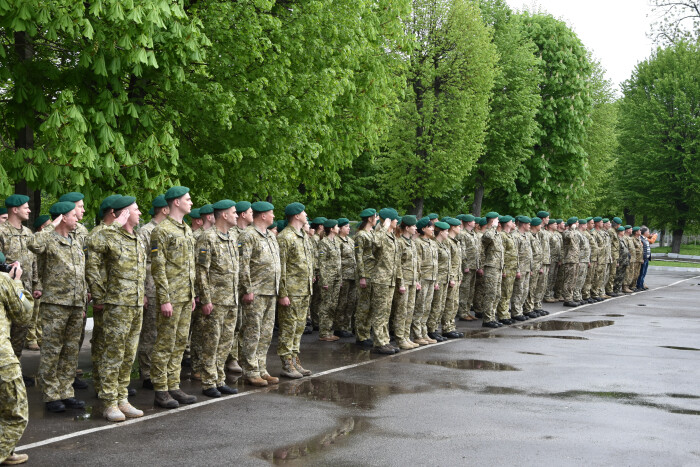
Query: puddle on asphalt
[86, 415]
[679, 348]
[614, 316]
[531, 353]
[496, 390]
[468, 365]
[560, 325]
[641, 304]
[298, 453]
[683, 396]
[623, 397]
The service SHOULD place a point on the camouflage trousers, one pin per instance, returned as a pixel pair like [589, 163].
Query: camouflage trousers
[633, 275]
[598, 286]
[402, 307]
[421, 311]
[541, 287]
[611, 273]
[171, 339]
[466, 293]
[507, 285]
[559, 282]
[569, 273]
[521, 289]
[292, 321]
[620, 274]
[327, 308]
[218, 330]
[236, 345]
[147, 338]
[363, 323]
[315, 301]
[478, 294]
[629, 276]
[14, 409]
[195, 339]
[121, 329]
[588, 290]
[581, 274]
[451, 307]
[380, 311]
[96, 347]
[256, 334]
[531, 299]
[347, 302]
[61, 326]
[551, 281]
[34, 332]
[492, 292]
[437, 307]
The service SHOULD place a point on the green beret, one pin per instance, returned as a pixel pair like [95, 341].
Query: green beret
[542, 214]
[242, 206]
[560, 221]
[467, 218]
[122, 202]
[441, 225]
[272, 226]
[605, 220]
[206, 209]
[16, 201]
[620, 229]
[432, 216]
[368, 212]
[423, 222]
[572, 220]
[152, 211]
[453, 222]
[597, 219]
[281, 225]
[222, 204]
[41, 220]
[2, 258]
[617, 220]
[343, 221]
[491, 215]
[628, 227]
[159, 202]
[524, 219]
[293, 209]
[388, 213]
[588, 219]
[535, 221]
[318, 221]
[635, 229]
[3, 211]
[175, 192]
[73, 197]
[107, 204]
[482, 221]
[262, 206]
[552, 221]
[62, 207]
[503, 219]
[194, 214]
[409, 220]
[330, 223]
[582, 221]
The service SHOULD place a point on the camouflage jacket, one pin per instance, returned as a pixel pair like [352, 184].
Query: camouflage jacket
[387, 254]
[62, 273]
[347, 255]
[363, 253]
[13, 243]
[145, 233]
[624, 251]
[524, 252]
[172, 261]
[455, 259]
[259, 262]
[16, 306]
[543, 237]
[470, 249]
[614, 244]
[296, 262]
[492, 247]
[536, 253]
[510, 252]
[217, 268]
[570, 248]
[592, 245]
[427, 251]
[410, 262]
[96, 288]
[316, 242]
[584, 248]
[444, 257]
[555, 247]
[116, 266]
[331, 265]
[605, 256]
[638, 256]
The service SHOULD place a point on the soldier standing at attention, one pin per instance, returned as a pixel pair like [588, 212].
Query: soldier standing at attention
[196, 219]
[584, 265]
[296, 285]
[63, 299]
[159, 211]
[427, 252]
[611, 230]
[34, 333]
[317, 225]
[259, 283]
[536, 270]
[543, 237]
[570, 257]
[117, 267]
[622, 262]
[470, 263]
[403, 304]
[588, 292]
[364, 238]
[479, 283]
[521, 285]
[173, 269]
[347, 301]
[330, 271]
[16, 306]
[442, 232]
[492, 270]
[452, 296]
[555, 241]
[217, 289]
[510, 270]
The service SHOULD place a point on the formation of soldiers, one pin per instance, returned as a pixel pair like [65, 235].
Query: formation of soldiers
[214, 292]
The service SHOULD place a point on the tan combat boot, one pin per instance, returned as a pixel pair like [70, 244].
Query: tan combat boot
[288, 369]
[420, 341]
[405, 345]
[129, 410]
[15, 459]
[626, 290]
[328, 338]
[430, 341]
[256, 381]
[297, 364]
[270, 379]
[113, 414]
[233, 366]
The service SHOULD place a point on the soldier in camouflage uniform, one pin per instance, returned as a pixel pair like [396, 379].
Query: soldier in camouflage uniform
[34, 333]
[64, 294]
[622, 261]
[404, 304]
[159, 211]
[479, 282]
[492, 270]
[173, 270]
[217, 289]
[117, 268]
[584, 248]
[442, 232]
[637, 259]
[317, 225]
[347, 300]
[611, 230]
[427, 253]
[510, 270]
[196, 337]
[16, 306]
[521, 286]
[470, 263]
[588, 292]
[536, 269]
[570, 258]
[364, 261]
[452, 296]
[296, 285]
[555, 242]
[330, 272]
[605, 259]
[259, 284]
[543, 237]
[559, 281]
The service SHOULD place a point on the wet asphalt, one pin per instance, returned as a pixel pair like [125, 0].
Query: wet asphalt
[614, 383]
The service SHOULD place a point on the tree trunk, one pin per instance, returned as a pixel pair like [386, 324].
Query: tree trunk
[676, 241]
[645, 220]
[417, 208]
[629, 217]
[478, 198]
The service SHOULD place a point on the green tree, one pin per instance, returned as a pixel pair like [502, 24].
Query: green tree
[659, 138]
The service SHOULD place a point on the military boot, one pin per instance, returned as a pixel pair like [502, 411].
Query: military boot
[233, 366]
[289, 370]
[165, 400]
[15, 459]
[182, 397]
[113, 414]
[129, 410]
[256, 381]
[270, 379]
[297, 364]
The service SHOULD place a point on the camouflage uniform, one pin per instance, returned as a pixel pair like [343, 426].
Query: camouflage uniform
[13, 243]
[597, 287]
[404, 304]
[173, 270]
[636, 261]
[604, 261]
[217, 283]
[614, 258]
[584, 248]
[386, 275]
[478, 296]
[148, 325]
[347, 300]
[470, 261]
[588, 291]
[492, 248]
[316, 295]
[443, 278]
[195, 337]
[570, 258]
[235, 233]
[559, 280]
[555, 251]
[16, 306]
[510, 269]
[622, 264]
[260, 275]
[365, 265]
[64, 294]
[452, 293]
[117, 268]
[427, 252]
[541, 288]
[330, 273]
[521, 287]
[297, 255]
[535, 275]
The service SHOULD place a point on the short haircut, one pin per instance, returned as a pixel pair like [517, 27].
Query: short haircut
[643, 229]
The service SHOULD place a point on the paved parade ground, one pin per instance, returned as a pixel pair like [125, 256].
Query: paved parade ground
[613, 383]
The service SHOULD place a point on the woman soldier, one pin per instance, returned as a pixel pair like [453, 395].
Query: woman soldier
[443, 276]
[329, 277]
[348, 293]
[427, 251]
[364, 261]
[404, 304]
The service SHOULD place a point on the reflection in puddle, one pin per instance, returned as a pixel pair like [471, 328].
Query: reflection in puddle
[531, 353]
[575, 338]
[469, 365]
[559, 325]
[623, 397]
[614, 316]
[298, 453]
[501, 390]
[679, 348]
[683, 396]
[86, 415]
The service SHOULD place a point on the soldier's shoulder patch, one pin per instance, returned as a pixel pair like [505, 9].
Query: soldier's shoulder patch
[154, 246]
